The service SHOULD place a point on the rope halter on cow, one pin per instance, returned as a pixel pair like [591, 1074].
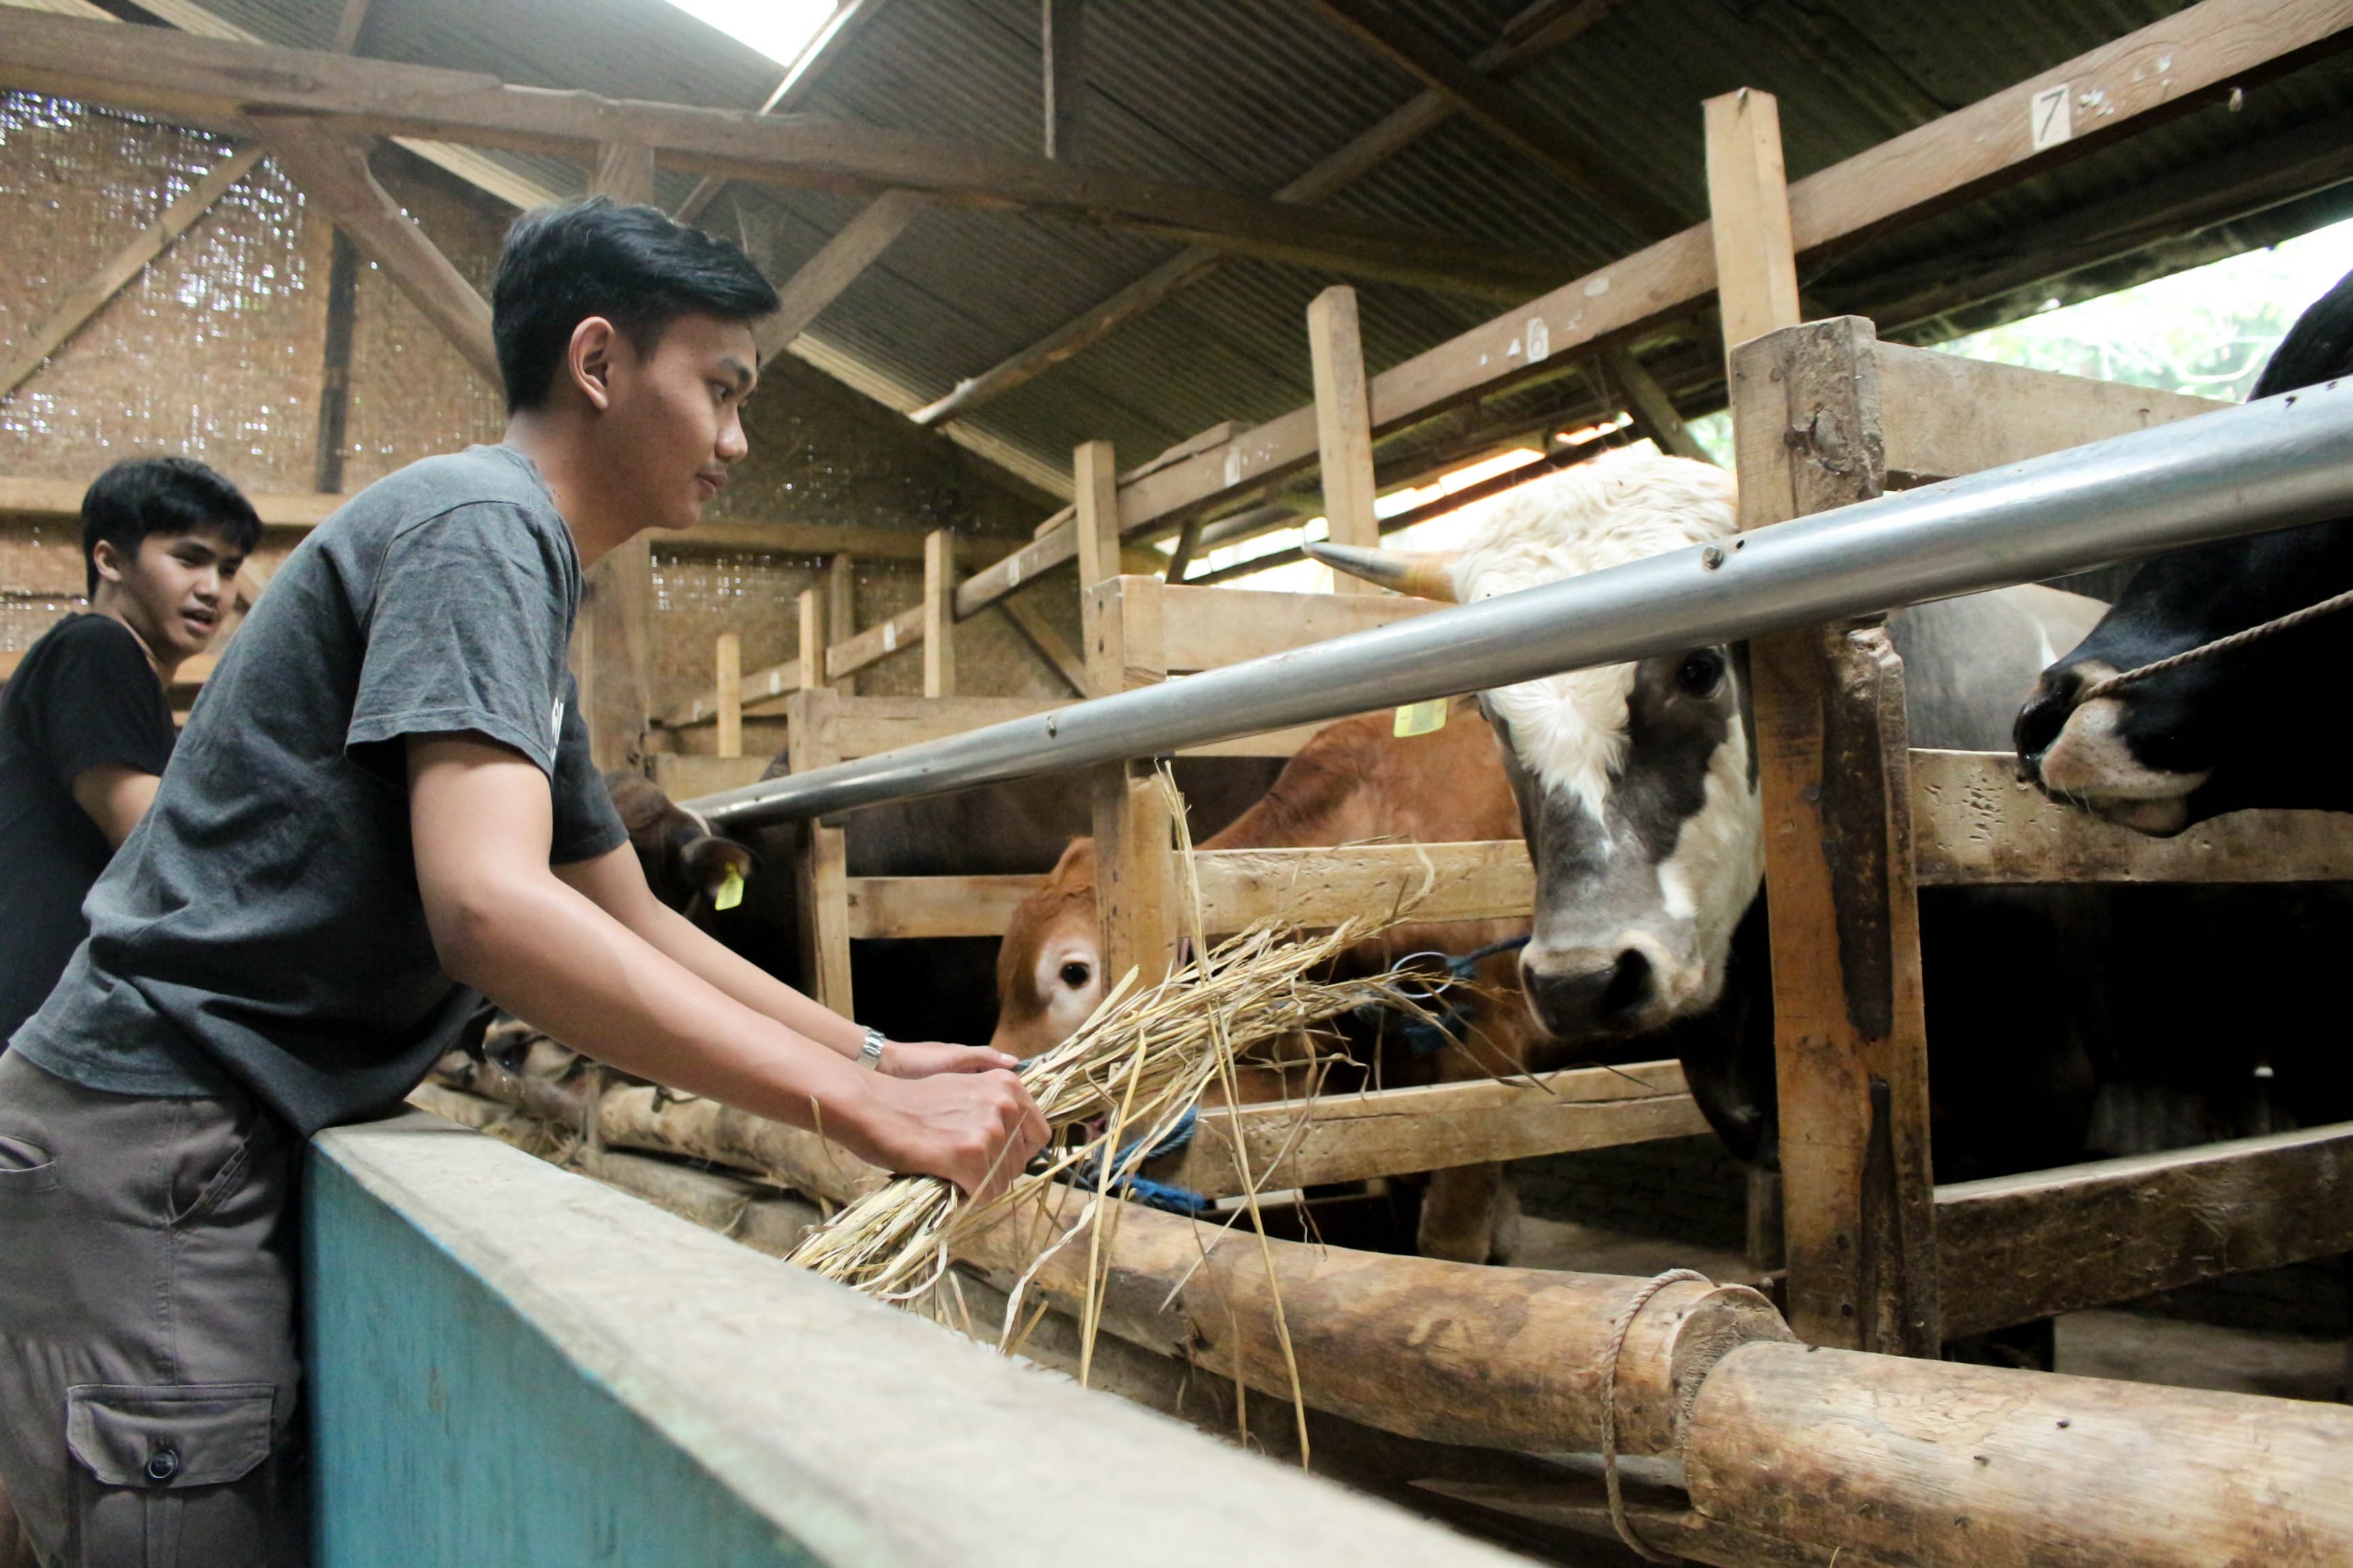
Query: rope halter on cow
[2109, 684]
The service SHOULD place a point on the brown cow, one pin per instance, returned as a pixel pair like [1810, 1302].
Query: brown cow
[1354, 782]
[686, 863]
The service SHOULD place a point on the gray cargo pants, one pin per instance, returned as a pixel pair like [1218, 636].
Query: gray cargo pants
[148, 1369]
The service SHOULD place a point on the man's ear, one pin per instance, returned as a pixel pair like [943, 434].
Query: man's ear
[588, 361]
[108, 560]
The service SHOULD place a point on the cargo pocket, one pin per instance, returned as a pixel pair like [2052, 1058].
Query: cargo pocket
[171, 1474]
[29, 1215]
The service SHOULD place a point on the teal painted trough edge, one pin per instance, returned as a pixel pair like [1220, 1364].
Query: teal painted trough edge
[512, 1364]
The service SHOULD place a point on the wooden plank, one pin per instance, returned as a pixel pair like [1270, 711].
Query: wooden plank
[103, 283]
[335, 362]
[874, 644]
[939, 614]
[821, 872]
[935, 906]
[335, 174]
[1976, 823]
[2021, 1247]
[1026, 565]
[1946, 416]
[1343, 426]
[685, 778]
[212, 81]
[1504, 113]
[1850, 1036]
[865, 726]
[823, 278]
[1135, 878]
[728, 661]
[1556, 22]
[1386, 1132]
[1063, 42]
[1757, 268]
[810, 632]
[1031, 622]
[1211, 627]
[1095, 480]
[1653, 411]
[841, 605]
[1488, 881]
[624, 172]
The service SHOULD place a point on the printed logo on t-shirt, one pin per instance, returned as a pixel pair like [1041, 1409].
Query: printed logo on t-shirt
[555, 724]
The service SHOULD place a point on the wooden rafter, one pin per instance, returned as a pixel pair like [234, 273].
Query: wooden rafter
[212, 81]
[1063, 37]
[1390, 32]
[1543, 28]
[111, 277]
[821, 280]
[821, 51]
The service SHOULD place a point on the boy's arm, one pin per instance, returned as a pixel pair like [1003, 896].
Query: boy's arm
[115, 797]
[615, 882]
[482, 819]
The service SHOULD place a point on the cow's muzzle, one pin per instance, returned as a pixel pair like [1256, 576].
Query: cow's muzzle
[1585, 993]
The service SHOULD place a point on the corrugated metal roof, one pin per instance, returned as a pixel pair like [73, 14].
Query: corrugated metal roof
[1245, 95]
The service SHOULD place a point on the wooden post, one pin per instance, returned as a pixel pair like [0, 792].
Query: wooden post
[1756, 268]
[841, 605]
[939, 613]
[1849, 1035]
[821, 879]
[1063, 37]
[616, 616]
[1343, 425]
[728, 662]
[1095, 477]
[814, 638]
[1134, 832]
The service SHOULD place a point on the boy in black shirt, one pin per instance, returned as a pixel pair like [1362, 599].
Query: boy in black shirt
[84, 728]
[383, 805]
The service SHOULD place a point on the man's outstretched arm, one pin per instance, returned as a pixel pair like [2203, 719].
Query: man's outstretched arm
[481, 821]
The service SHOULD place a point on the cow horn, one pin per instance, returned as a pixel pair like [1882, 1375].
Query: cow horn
[1425, 574]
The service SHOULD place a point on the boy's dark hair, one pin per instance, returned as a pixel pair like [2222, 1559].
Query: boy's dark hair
[138, 496]
[633, 265]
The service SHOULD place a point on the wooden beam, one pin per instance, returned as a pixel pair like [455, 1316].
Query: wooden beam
[213, 81]
[1560, 20]
[334, 363]
[848, 19]
[2021, 1247]
[2205, 50]
[939, 614]
[823, 278]
[821, 872]
[103, 283]
[1323, 886]
[892, 907]
[1062, 34]
[335, 174]
[1975, 824]
[1211, 627]
[1343, 426]
[1757, 268]
[875, 644]
[841, 605]
[624, 173]
[1653, 411]
[1095, 530]
[728, 662]
[1849, 1031]
[1031, 622]
[1337, 1138]
[349, 26]
[810, 630]
[1948, 415]
[1392, 33]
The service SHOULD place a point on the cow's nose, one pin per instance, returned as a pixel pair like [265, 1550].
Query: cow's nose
[1589, 990]
[2044, 715]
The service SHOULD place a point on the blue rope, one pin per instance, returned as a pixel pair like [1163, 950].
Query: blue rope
[1430, 1033]
[1142, 1188]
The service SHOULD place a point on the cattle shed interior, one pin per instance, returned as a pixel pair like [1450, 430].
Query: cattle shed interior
[1076, 295]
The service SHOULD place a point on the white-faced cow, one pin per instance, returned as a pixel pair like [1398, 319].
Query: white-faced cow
[1637, 791]
[2219, 734]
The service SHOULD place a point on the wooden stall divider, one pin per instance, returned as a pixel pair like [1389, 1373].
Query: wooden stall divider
[939, 614]
[727, 660]
[1343, 426]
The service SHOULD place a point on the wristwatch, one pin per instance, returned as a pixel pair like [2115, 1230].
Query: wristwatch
[869, 1055]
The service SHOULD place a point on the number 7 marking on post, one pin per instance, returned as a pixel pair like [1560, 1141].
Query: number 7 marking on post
[2048, 120]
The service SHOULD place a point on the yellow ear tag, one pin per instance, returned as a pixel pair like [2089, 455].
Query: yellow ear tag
[730, 891]
[1420, 719]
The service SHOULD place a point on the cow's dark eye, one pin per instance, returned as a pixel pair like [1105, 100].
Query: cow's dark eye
[1075, 976]
[1701, 671]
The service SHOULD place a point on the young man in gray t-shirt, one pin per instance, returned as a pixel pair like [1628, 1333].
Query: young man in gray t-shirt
[383, 806]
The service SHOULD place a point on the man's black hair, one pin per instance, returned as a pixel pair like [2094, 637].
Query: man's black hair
[635, 266]
[138, 496]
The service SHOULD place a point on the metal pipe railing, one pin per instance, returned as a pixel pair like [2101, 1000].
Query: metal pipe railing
[2272, 464]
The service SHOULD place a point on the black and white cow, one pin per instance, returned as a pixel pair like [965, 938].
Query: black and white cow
[1638, 792]
[2221, 734]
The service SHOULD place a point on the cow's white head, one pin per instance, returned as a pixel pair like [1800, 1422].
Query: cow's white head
[1636, 785]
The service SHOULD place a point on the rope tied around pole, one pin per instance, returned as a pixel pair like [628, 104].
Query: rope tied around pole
[2236, 639]
[1617, 1332]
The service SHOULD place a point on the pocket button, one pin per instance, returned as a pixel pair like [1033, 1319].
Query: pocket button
[162, 1464]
